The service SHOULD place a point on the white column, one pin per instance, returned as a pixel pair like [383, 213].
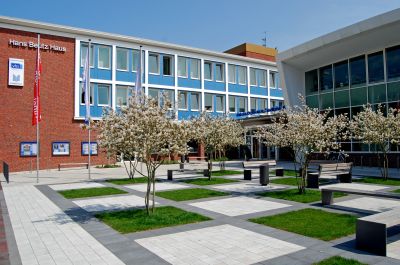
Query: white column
[77, 73]
[146, 72]
[202, 83]
[268, 91]
[113, 76]
[226, 89]
[248, 87]
[176, 85]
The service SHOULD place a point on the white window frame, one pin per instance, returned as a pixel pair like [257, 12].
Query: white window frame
[222, 72]
[264, 77]
[109, 95]
[212, 102]
[198, 62]
[91, 51]
[158, 63]
[212, 70]
[127, 95]
[171, 61]
[91, 93]
[245, 75]
[186, 65]
[198, 100]
[234, 74]
[274, 79]
[127, 59]
[180, 92]
[255, 84]
[98, 56]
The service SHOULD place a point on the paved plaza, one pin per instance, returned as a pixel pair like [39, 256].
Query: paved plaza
[43, 227]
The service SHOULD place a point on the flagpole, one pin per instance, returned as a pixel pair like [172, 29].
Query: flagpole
[37, 116]
[89, 92]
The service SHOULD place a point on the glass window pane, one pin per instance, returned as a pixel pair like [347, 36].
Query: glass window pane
[272, 79]
[263, 104]
[253, 104]
[377, 94]
[122, 96]
[219, 72]
[83, 94]
[375, 67]
[242, 104]
[393, 90]
[194, 68]
[220, 103]
[84, 49]
[232, 104]
[135, 61]
[167, 65]
[311, 82]
[326, 100]
[312, 101]
[342, 99]
[358, 96]
[242, 75]
[393, 63]
[208, 102]
[122, 59]
[357, 71]
[207, 71]
[153, 64]
[103, 95]
[341, 75]
[182, 99]
[195, 101]
[325, 74]
[153, 93]
[263, 78]
[232, 73]
[182, 67]
[253, 77]
[104, 57]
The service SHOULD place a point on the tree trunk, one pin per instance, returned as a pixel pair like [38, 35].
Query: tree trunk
[385, 167]
[153, 179]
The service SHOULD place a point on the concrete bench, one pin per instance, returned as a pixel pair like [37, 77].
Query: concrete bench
[341, 171]
[371, 231]
[170, 172]
[248, 166]
[72, 164]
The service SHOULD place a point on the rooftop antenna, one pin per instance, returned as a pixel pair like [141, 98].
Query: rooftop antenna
[264, 39]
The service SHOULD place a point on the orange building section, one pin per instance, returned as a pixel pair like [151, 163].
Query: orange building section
[254, 51]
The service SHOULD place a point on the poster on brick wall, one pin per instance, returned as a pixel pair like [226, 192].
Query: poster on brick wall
[28, 149]
[85, 148]
[60, 148]
[16, 69]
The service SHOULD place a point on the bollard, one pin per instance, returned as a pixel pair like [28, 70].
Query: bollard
[169, 174]
[247, 174]
[264, 175]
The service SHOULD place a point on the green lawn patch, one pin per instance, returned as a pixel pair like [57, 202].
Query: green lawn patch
[293, 195]
[189, 194]
[396, 191]
[135, 220]
[337, 260]
[219, 173]
[127, 181]
[293, 181]
[312, 223]
[90, 192]
[286, 173]
[206, 181]
[377, 180]
[108, 166]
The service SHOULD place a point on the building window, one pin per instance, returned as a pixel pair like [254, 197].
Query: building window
[232, 74]
[253, 77]
[242, 75]
[122, 95]
[103, 95]
[104, 61]
[207, 70]
[157, 94]
[154, 64]
[341, 74]
[393, 63]
[122, 59]
[83, 94]
[195, 101]
[253, 104]
[167, 65]
[263, 104]
[375, 67]
[273, 103]
[84, 50]
[135, 61]
[232, 104]
[220, 103]
[208, 102]
[358, 71]
[219, 72]
[242, 104]
[325, 74]
[263, 78]
[182, 96]
[272, 79]
[182, 67]
[153, 93]
[195, 68]
[311, 82]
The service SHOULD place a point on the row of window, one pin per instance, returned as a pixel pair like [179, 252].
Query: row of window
[357, 71]
[187, 67]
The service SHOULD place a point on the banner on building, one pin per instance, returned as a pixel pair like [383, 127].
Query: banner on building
[16, 69]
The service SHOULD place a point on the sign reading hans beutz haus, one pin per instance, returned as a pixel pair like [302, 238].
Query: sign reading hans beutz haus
[16, 72]
[33, 45]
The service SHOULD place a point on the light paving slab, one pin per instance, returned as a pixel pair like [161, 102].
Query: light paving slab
[46, 235]
[356, 186]
[224, 244]
[246, 187]
[370, 204]
[111, 203]
[239, 205]
[393, 249]
[159, 186]
[73, 186]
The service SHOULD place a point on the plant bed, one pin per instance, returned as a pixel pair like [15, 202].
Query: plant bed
[294, 195]
[136, 220]
[337, 260]
[108, 166]
[293, 181]
[312, 223]
[378, 180]
[206, 181]
[127, 181]
[286, 173]
[396, 191]
[90, 192]
[189, 194]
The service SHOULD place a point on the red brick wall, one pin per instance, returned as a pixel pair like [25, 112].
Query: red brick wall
[57, 103]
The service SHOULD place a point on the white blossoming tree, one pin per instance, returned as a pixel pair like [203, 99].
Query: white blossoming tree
[145, 130]
[304, 131]
[374, 127]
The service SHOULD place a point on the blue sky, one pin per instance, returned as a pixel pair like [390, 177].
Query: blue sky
[210, 24]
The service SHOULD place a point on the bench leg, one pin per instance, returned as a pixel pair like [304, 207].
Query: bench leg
[59, 168]
[371, 237]
[247, 174]
[326, 197]
[170, 174]
[279, 172]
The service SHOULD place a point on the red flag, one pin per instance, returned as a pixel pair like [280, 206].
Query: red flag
[36, 115]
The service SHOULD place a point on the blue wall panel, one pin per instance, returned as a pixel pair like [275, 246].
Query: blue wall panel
[258, 91]
[186, 82]
[237, 88]
[276, 92]
[217, 86]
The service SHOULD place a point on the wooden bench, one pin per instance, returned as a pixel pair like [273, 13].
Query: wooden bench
[248, 166]
[341, 171]
[70, 164]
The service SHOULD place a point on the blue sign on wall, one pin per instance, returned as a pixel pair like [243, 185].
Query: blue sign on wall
[255, 112]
